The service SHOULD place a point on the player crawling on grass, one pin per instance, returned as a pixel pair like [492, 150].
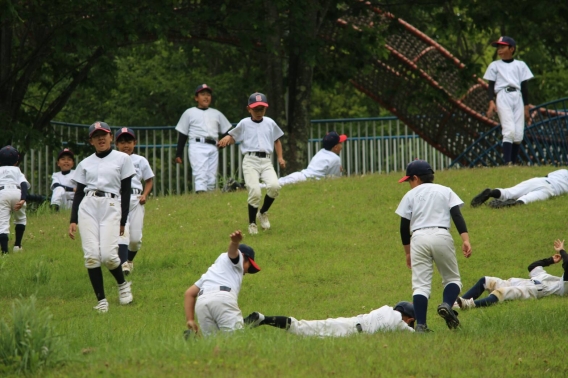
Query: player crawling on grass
[384, 319]
[540, 284]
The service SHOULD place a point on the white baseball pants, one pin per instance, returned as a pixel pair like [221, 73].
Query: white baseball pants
[292, 178]
[99, 227]
[8, 199]
[511, 111]
[427, 246]
[254, 170]
[513, 288]
[204, 159]
[218, 311]
[535, 189]
[333, 327]
[62, 198]
[133, 228]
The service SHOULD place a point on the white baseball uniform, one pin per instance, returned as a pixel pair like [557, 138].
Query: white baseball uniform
[258, 137]
[510, 106]
[427, 206]
[216, 307]
[99, 217]
[380, 320]
[538, 188]
[203, 127]
[60, 196]
[10, 180]
[133, 229]
[324, 164]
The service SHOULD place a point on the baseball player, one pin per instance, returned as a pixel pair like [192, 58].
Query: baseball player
[326, 163]
[62, 184]
[213, 298]
[425, 213]
[202, 125]
[384, 319]
[508, 96]
[131, 241]
[13, 192]
[535, 189]
[101, 207]
[259, 137]
[540, 284]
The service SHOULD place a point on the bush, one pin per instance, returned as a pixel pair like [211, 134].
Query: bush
[27, 340]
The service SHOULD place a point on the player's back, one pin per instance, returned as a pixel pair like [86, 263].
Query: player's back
[429, 205]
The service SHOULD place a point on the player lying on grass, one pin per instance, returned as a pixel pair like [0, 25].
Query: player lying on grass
[540, 284]
[386, 318]
[535, 189]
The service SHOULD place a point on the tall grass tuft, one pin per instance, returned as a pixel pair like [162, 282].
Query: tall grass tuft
[27, 339]
[42, 274]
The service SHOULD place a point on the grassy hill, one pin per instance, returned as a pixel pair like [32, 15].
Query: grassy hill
[334, 250]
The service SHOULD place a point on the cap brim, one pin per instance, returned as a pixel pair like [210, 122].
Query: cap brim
[66, 153]
[99, 129]
[405, 178]
[126, 132]
[260, 103]
[253, 268]
[204, 89]
[495, 44]
[342, 138]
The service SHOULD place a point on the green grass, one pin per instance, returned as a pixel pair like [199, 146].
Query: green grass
[334, 250]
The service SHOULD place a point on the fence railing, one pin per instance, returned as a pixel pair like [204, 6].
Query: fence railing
[375, 145]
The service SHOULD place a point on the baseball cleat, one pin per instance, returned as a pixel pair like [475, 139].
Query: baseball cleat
[479, 199]
[422, 328]
[253, 230]
[497, 204]
[263, 219]
[125, 293]
[102, 307]
[254, 319]
[449, 315]
[465, 304]
[17, 249]
[126, 268]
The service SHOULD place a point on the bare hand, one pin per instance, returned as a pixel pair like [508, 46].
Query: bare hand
[225, 141]
[466, 248]
[72, 230]
[282, 162]
[178, 160]
[558, 245]
[142, 199]
[237, 236]
[557, 258]
[192, 326]
[408, 263]
[121, 230]
[492, 109]
[19, 205]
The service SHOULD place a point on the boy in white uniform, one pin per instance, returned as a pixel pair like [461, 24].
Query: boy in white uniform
[384, 319]
[13, 191]
[100, 206]
[508, 81]
[326, 163]
[62, 184]
[131, 241]
[540, 284]
[213, 298]
[535, 189]
[202, 125]
[259, 137]
[425, 213]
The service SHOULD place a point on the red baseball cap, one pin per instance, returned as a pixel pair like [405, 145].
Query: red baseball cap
[203, 87]
[507, 41]
[257, 99]
[249, 252]
[332, 138]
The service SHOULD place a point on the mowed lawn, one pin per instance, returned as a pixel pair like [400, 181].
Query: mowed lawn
[334, 250]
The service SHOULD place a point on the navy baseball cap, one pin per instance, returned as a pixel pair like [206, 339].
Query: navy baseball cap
[9, 156]
[249, 252]
[331, 139]
[508, 41]
[203, 87]
[65, 151]
[124, 130]
[417, 168]
[98, 126]
[257, 99]
[406, 308]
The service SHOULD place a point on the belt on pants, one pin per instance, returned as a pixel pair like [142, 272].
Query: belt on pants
[221, 288]
[100, 193]
[9, 187]
[424, 228]
[510, 89]
[259, 154]
[206, 140]
[136, 191]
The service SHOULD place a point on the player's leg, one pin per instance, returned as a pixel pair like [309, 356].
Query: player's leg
[251, 174]
[519, 120]
[542, 193]
[68, 200]
[226, 312]
[256, 319]
[8, 199]
[136, 217]
[57, 198]
[212, 166]
[444, 255]
[336, 327]
[523, 188]
[507, 120]
[270, 178]
[292, 178]
[198, 161]
[20, 220]
[422, 271]
[207, 323]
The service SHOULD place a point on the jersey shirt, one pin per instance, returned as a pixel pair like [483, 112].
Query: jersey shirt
[428, 205]
[104, 174]
[61, 179]
[507, 74]
[143, 171]
[256, 136]
[10, 175]
[559, 181]
[324, 163]
[223, 273]
[203, 123]
[549, 284]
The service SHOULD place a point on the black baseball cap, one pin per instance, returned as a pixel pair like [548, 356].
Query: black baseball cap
[257, 99]
[203, 87]
[9, 156]
[98, 126]
[124, 130]
[249, 252]
[65, 151]
[508, 41]
[331, 139]
[406, 308]
[417, 168]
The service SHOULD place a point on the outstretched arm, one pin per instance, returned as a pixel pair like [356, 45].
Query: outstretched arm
[462, 229]
[559, 247]
[189, 305]
[236, 238]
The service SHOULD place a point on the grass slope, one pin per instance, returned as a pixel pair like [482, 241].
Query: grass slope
[334, 250]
